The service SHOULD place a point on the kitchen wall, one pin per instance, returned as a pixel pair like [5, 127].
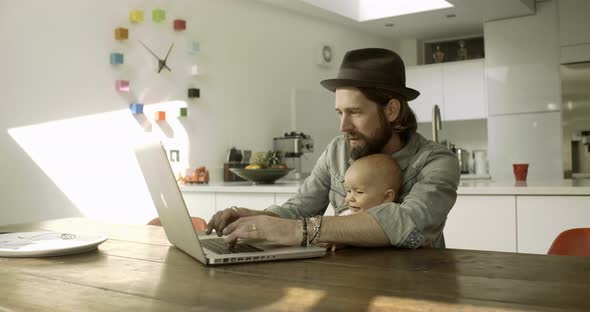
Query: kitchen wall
[59, 105]
[467, 134]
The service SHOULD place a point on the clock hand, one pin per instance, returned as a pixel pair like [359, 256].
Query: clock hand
[163, 63]
[170, 49]
[154, 54]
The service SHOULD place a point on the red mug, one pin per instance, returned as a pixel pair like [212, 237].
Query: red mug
[520, 171]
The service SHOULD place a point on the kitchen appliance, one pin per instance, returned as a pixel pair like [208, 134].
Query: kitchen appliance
[234, 155]
[293, 145]
[575, 112]
[480, 162]
[580, 150]
[463, 157]
[234, 159]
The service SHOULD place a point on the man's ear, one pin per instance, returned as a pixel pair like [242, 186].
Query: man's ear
[392, 109]
[389, 196]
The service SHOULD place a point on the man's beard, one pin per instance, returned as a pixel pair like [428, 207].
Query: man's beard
[372, 145]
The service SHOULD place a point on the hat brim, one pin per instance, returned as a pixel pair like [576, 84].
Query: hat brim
[333, 84]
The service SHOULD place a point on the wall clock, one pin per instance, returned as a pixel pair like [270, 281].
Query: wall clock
[155, 58]
[325, 55]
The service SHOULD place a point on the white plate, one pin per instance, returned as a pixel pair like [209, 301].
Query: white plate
[45, 244]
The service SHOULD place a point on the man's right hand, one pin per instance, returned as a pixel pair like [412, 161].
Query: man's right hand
[223, 218]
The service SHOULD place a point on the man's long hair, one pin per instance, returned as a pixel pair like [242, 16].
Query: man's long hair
[405, 123]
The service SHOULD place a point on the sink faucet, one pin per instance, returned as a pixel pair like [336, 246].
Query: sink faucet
[436, 123]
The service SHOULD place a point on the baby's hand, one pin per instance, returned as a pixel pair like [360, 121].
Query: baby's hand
[332, 247]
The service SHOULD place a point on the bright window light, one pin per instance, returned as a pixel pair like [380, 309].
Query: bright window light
[376, 9]
[92, 161]
[366, 10]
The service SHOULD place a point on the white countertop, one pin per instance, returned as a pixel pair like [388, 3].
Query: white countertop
[467, 187]
[557, 187]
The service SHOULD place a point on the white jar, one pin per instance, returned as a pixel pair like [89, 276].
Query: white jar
[480, 161]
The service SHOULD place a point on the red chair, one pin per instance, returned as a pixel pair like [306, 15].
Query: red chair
[573, 242]
[198, 223]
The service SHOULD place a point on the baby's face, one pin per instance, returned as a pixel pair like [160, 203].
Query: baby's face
[361, 192]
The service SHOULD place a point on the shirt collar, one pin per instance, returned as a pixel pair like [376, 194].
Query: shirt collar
[404, 156]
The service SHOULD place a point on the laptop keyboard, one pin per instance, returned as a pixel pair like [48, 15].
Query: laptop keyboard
[217, 245]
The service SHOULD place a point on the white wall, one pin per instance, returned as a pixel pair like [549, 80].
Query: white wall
[467, 134]
[56, 75]
[409, 51]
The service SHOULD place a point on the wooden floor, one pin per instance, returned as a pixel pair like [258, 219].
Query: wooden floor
[137, 269]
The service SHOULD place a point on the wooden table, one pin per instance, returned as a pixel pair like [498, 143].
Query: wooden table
[138, 270]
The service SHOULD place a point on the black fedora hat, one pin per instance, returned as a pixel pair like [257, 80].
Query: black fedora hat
[372, 68]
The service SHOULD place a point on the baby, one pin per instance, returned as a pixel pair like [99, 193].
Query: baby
[371, 181]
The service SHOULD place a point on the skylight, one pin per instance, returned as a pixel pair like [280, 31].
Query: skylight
[366, 10]
[375, 9]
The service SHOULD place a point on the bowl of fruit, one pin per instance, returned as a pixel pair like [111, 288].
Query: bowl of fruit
[264, 168]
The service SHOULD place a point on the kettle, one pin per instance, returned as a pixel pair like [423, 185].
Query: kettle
[234, 155]
[463, 157]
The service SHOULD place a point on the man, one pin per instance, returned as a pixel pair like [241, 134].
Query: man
[372, 101]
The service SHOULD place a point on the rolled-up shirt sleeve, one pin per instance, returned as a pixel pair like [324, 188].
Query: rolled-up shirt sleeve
[312, 197]
[419, 219]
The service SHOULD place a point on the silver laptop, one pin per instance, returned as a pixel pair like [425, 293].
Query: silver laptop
[208, 249]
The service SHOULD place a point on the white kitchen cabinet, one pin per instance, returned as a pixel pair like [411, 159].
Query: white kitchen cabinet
[482, 223]
[574, 22]
[542, 218]
[574, 37]
[458, 88]
[205, 204]
[525, 138]
[258, 201]
[522, 63]
[464, 90]
[428, 80]
[200, 204]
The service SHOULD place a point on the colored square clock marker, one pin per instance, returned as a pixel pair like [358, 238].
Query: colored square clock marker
[194, 93]
[117, 58]
[158, 15]
[160, 115]
[136, 108]
[194, 47]
[136, 16]
[122, 85]
[183, 112]
[179, 25]
[194, 70]
[121, 33]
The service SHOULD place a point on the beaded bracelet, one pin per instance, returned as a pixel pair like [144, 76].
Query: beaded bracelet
[316, 230]
[304, 241]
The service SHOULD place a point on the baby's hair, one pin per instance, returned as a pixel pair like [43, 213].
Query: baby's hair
[381, 168]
